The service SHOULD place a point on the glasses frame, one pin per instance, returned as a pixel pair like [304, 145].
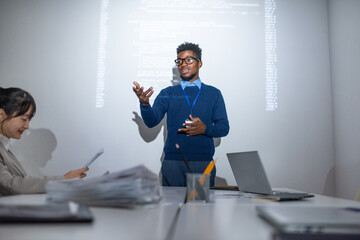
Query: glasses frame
[182, 60]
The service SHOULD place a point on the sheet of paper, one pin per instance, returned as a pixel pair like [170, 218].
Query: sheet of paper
[101, 151]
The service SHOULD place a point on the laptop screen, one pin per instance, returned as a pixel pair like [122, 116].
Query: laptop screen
[249, 172]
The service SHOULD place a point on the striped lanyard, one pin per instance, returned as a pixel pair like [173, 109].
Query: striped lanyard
[187, 99]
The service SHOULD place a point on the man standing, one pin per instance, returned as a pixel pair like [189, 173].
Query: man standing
[196, 114]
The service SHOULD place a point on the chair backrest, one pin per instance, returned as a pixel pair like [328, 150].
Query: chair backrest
[357, 198]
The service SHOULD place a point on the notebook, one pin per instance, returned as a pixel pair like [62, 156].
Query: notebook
[250, 177]
[45, 213]
[312, 219]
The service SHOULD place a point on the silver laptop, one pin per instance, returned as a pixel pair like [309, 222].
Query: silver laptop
[312, 219]
[250, 177]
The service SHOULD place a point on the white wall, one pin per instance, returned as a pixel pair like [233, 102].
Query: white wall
[51, 48]
[345, 58]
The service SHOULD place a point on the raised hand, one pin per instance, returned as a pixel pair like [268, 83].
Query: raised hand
[143, 96]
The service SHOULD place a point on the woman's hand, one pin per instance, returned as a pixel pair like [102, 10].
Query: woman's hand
[77, 173]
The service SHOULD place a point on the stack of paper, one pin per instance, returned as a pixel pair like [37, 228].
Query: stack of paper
[125, 188]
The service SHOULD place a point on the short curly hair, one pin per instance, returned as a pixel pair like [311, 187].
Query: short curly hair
[187, 46]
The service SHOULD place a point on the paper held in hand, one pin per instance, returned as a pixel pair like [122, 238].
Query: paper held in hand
[87, 164]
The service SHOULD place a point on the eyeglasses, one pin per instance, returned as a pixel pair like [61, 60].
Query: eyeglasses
[188, 60]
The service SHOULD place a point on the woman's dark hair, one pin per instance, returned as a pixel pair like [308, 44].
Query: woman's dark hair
[191, 47]
[16, 102]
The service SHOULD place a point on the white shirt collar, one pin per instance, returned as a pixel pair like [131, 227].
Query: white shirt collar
[5, 141]
[185, 84]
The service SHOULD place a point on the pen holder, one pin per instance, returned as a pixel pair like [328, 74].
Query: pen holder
[197, 187]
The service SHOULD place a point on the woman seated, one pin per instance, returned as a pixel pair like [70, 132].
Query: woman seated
[17, 108]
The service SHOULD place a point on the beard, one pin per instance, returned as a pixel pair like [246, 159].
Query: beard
[188, 78]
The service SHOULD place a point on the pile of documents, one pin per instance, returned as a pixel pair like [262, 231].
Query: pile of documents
[127, 188]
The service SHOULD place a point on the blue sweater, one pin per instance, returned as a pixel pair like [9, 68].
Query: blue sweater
[209, 107]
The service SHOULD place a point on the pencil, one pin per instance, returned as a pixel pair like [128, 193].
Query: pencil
[207, 171]
[210, 167]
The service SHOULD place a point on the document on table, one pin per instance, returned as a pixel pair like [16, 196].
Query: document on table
[87, 164]
[230, 195]
[126, 188]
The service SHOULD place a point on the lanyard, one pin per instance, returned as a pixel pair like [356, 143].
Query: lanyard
[187, 99]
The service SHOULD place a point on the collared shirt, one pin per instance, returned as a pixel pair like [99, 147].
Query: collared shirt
[185, 84]
[5, 141]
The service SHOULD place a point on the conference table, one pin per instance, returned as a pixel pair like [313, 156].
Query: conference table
[228, 215]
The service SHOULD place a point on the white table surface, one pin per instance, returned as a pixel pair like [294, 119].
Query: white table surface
[151, 222]
[232, 216]
[228, 216]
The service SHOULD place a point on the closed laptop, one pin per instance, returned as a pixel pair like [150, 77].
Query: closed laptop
[312, 219]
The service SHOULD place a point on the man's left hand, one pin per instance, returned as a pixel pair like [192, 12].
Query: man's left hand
[197, 127]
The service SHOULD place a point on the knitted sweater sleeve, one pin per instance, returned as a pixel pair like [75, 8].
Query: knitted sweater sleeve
[152, 115]
[220, 126]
